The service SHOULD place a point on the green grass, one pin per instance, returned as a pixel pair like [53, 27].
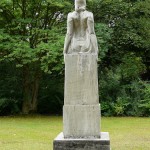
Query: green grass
[38, 132]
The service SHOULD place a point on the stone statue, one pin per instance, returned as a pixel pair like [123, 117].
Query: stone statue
[80, 37]
[81, 97]
[81, 110]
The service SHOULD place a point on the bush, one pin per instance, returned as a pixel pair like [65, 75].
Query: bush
[120, 106]
[107, 108]
[8, 106]
[144, 105]
[51, 96]
[121, 95]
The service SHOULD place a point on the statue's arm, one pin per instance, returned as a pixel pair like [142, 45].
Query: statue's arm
[92, 32]
[69, 33]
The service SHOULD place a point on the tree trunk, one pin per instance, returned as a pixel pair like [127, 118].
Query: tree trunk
[26, 105]
[30, 91]
[35, 91]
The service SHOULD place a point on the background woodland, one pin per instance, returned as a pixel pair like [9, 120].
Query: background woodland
[32, 36]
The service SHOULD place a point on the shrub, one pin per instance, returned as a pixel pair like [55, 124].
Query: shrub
[144, 105]
[8, 106]
[121, 105]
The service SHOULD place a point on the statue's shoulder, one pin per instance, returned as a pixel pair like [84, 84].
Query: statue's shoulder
[89, 14]
[71, 14]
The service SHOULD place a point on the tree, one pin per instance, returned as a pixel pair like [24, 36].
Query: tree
[31, 37]
[31, 44]
[126, 59]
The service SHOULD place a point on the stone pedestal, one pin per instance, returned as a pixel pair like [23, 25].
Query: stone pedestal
[81, 111]
[103, 143]
[81, 121]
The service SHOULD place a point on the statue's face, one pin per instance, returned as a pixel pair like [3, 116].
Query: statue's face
[80, 5]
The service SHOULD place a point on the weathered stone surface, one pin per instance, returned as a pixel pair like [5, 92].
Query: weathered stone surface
[81, 79]
[60, 143]
[81, 121]
[81, 112]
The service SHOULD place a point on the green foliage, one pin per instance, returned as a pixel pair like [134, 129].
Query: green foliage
[121, 98]
[8, 106]
[53, 59]
[10, 90]
[103, 33]
[121, 91]
[31, 60]
[131, 66]
[51, 96]
[125, 64]
[121, 105]
[31, 37]
[145, 102]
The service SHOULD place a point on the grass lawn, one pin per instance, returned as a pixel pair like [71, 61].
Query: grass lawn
[38, 132]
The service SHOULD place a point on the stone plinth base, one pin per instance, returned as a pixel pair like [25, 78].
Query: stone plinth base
[82, 144]
[81, 121]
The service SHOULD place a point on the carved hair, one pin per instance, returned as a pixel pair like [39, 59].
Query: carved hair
[80, 5]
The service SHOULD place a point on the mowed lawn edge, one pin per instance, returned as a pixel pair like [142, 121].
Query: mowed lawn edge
[38, 132]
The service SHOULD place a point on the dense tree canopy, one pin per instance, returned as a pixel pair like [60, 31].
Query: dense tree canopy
[31, 60]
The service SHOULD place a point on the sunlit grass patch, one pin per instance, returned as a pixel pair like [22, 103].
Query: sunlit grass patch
[38, 132]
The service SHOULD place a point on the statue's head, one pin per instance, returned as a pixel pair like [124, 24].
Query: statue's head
[80, 5]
